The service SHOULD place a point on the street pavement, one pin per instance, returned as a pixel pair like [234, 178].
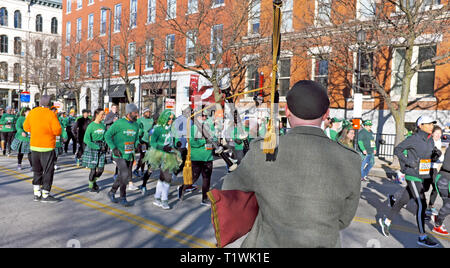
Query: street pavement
[89, 220]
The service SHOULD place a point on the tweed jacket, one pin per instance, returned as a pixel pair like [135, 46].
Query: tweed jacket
[306, 196]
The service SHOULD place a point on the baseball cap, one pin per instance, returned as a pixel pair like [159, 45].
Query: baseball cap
[425, 119]
[336, 120]
[367, 123]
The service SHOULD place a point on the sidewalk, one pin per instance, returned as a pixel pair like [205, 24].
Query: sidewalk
[384, 168]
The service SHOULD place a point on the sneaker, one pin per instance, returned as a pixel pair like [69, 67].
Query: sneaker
[191, 188]
[19, 167]
[157, 202]
[36, 198]
[132, 188]
[206, 203]
[143, 190]
[434, 211]
[427, 242]
[49, 199]
[180, 191]
[96, 187]
[391, 200]
[123, 201]
[384, 226]
[440, 230]
[112, 197]
[165, 204]
[136, 173]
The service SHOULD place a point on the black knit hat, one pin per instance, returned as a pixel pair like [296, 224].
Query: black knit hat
[307, 100]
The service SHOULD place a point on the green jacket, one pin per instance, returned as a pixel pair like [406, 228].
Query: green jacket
[9, 123]
[59, 139]
[94, 133]
[366, 141]
[199, 150]
[145, 125]
[161, 137]
[19, 128]
[123, 135]
[69, 121]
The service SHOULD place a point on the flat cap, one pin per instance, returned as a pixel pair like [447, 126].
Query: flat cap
[307, 100]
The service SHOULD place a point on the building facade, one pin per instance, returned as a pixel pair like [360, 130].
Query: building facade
[30, 35]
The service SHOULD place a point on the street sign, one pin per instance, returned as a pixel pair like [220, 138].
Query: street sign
[25, 97]
[170, 103]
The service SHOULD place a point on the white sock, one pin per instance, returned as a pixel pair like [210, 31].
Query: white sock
[45, 193]
[158, 190]
[387, 222]
[37, 190]
[165, 191]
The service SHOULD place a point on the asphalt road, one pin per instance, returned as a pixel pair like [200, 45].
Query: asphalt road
[84, 219]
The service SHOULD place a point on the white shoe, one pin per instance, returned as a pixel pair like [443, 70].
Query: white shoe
[165, 204]
[157, 202]
[132, 188]
[56, 167]
[19, 167]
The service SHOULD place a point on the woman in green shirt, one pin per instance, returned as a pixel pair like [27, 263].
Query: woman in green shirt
[21, 143]
[59, 139]
[163, 156]
[95, 152]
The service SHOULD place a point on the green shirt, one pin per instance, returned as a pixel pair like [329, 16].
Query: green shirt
[94, 133]
[9, 123]
[200, 150]
[366, 141]
[123, 135]
[145, 125]
[333, 134]
[59, 139]
[161, 137]
[19, 128]
[69, 120]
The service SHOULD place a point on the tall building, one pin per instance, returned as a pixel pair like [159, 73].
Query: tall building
[30, 33]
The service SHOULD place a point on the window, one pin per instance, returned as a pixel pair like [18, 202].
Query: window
[116, 59]
[17, 19]
[90, 2]
[17, 46]
[79, 4]
[3, 16]
[217, 3]
[39, 23]
[398, 71]
[151, 11]
[101, 61]
[366, 9]
[286, 19]
[323, 15]
[16, 72]
[254, 17]
[192, 6]
[68, 32]
[171, 9]
[117, 17]
[78, 30]
[54, 26]
[89, 63]
[170, 47]
[133, 13]
[90, 26]
[67, 67]
[425, 77]
[102, 21]
[4, 71]
[53, 50]
[321, 72]
[149, 53]
[69, 6]
[216, 42]
[38, 48]
[252, 79]
[131, 56]
[366, 66]
[3, 44]
[285, 76]
[191, 40]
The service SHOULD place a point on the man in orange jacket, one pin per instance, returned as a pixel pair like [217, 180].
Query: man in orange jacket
[44, 127]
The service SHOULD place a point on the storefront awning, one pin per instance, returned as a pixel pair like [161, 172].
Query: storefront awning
[119, 91]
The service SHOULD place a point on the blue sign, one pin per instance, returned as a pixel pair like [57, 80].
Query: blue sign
[25, 97]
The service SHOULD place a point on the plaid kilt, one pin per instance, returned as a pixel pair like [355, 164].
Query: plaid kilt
[24, 146]
[93, 158]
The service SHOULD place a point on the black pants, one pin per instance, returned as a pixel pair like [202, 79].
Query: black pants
[95, 173]
[414, 190]
[43, 168]
[7, 138]
[140, 164]
[205, 169]
[430, 182]
[442, 186]
[124, 175]
[183, 152]
[20, 158]
[80, 151]
[70, 136]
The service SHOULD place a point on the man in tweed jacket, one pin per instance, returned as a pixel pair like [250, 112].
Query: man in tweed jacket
[311, 191]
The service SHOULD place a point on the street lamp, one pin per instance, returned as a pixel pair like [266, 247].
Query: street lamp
[169, 63]
[357, 96]
[108, 81]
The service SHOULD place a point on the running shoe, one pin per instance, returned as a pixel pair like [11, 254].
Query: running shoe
[157, 202]
[123, 201]
[205, 203]
[440, 230]
[132, 188]
[165, 204]
[427, 242]
[19, 167]
[56, 167]
[384, 226]
[78, 162]
[191, 188]
[112, 197]
[36, 198]
[143, 190]
[49, 199]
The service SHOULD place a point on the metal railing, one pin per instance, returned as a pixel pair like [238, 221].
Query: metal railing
[385, 145]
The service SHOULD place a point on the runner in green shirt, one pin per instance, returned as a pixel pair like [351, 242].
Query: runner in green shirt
[21, 143]
[8, 122]
[145, 125]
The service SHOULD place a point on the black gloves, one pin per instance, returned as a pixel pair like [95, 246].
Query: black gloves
[178, 145]
[116, 152]
[103, 149]
[167, 148]
[435, 154]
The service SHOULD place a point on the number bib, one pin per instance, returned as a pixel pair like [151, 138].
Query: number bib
[424, 166]
[129, 147]
[208, 146]
[58, 138]
[372, 144]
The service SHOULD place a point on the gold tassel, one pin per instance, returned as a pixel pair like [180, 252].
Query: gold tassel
[270, 140]
[187, 170]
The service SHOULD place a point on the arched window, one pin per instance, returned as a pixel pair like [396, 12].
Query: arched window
[4, 71]
[54, 25]
[39, 23]
[38, 48]
[3, 16]
[17, 71]
[3, 44]
[17, 46]
[17, 19]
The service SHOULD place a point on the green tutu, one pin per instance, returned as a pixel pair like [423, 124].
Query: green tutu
[161, 160]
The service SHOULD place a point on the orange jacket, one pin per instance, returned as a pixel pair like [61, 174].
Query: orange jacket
[44, 126]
